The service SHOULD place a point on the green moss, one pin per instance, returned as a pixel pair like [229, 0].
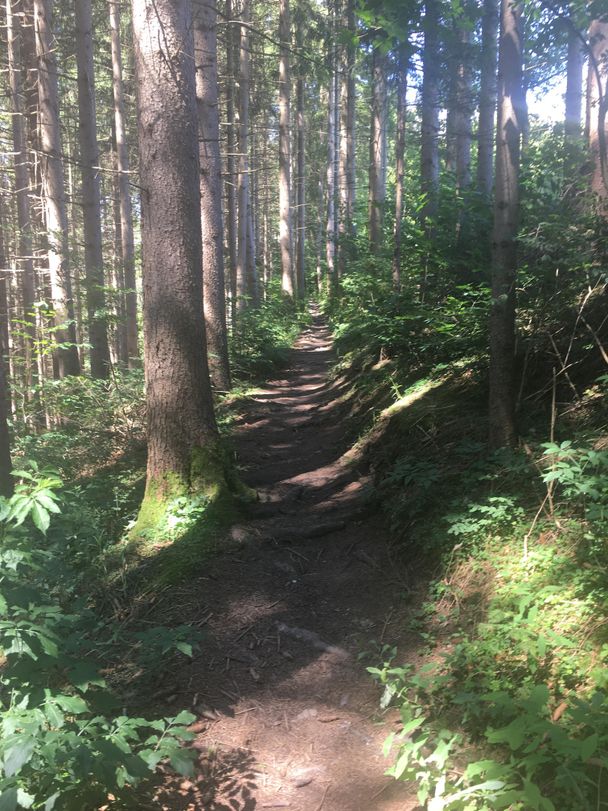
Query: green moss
[182, 518]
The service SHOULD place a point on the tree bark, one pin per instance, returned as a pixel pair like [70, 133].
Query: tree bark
[214, 296]
[24, 224]
[346, 181]
[330, 234]
[574, 86]
[68, 362]
[91, 193]
[511, 118]
[429, 152]
[400, 169]
[127, 242]
[182, 433]
[597, 101]
[377, 154]
[6, 480]
[300, 179]
[243, 177]
[285, 235]
[487, 98]
[464, 110]
[231, 180]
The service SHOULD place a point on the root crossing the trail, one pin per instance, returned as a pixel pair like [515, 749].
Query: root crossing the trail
[288, 714]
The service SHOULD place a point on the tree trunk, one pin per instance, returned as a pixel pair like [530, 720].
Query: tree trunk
[231, 180]
[399, 169]
[429, 152]
[243, 179]
[285, 235]
[330, 242]
[24, 224]
[464, 110]
[597, 102]
[346, 182]
[68, 362]
[574, 86]
[377, 154]
[300, 180]
[487, 98]
[127, 242]
[182, 434]
[91, 193]
[511, 117]
[6, 480]
[214, 296]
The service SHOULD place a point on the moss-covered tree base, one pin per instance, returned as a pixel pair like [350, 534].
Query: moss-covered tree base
[183, 518]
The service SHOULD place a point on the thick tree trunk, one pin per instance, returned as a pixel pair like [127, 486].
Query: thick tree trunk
[300, 179]
[346, 181]
[127, 242]
[6, 480]
[182, 434]
[205, 47]
[377, 154]
[330, 233]
[511, 117]
[243, 178]
[399, 170]
[231, 180]
[597, 103]
[4, 285]
[68, 362]
[574, 86]
[429, 152]
[25, 247]
[464, 110]
[487, 98]
[285, 235]
[91, 192]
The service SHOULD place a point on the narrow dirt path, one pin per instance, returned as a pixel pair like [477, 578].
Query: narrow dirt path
[288, 712]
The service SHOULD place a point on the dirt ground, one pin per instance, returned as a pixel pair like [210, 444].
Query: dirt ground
[288, 715]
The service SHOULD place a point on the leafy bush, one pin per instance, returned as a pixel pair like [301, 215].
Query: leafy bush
[61, 745]
[265, 335]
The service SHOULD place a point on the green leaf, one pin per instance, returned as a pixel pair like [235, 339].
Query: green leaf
[18, 755]
[8, 800]
[184, 648]
[83, 674]
[24, 799]
[40, 517]
[588, 746]
[182, 762]
[50, 802]
[46, 500]
[184, 717]
[72, 704]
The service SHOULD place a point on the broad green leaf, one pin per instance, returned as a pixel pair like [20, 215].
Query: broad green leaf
[40, 517]
[184, 648]
[184, 717]
[182, 762]
[588, 746]
[8, 800]
[18, 755]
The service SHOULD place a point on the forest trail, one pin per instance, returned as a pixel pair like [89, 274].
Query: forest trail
[288, 710]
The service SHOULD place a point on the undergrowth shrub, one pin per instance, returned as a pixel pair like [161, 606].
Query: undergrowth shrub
[64, 743]
[264, 335]
[510, 711]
